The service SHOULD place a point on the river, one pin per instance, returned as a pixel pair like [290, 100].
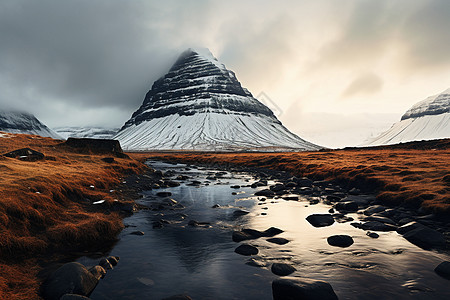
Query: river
[200, 261]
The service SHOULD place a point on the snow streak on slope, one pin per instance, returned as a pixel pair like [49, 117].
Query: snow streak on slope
[87, 132]
[210, 132]
[200, 105]
[19, 122]
[426, 120]
[429, 127]
[434, 105]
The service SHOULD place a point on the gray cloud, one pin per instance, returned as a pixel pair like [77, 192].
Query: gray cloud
[91, 62]
[364, 84]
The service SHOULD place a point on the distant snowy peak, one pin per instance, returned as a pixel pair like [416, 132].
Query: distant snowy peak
[200, 105]
[21, 122]
[433, 105]
[427, 120]
[86, 132]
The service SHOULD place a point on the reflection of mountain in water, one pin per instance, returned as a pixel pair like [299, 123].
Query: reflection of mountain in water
[194, 247]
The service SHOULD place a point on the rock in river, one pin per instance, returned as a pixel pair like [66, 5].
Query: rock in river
[340, 240]
[282, 269]
[422, 236]
[377, 226]
[266, 193]
[350, 206]
[279, 241]
[71, 278]
[320, 220]
[302, 288]
[247, 250]
[443, 269]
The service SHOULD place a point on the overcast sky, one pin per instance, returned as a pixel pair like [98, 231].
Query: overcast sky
[90, 63]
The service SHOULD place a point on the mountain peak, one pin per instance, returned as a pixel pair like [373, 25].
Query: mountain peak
[433, 105]
[23, 122]
[200, 105]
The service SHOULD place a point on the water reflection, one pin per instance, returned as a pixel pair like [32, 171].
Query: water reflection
[201, 261]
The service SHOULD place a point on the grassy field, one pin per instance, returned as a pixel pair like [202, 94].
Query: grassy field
[414, 174]
[46, 206]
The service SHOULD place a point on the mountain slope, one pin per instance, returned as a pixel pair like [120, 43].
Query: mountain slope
[426, 120]
[86, 132]
[200, 105]
[20, 122]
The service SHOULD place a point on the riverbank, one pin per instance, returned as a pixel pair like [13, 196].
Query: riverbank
[61, 201]
[415, 175]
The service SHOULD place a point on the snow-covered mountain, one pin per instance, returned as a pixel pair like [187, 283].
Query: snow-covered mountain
[21, 122]
[200, 105]
[426, 120]
[86, 132]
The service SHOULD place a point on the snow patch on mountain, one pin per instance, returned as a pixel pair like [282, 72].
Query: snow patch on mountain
[427, 120]
[25, 123]
[433, 105]
[200, 105]
[87, 132]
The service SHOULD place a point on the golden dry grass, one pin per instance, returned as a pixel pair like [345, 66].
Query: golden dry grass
[399, 175]
[45, 206]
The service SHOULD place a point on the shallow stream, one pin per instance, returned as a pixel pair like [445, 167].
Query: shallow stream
[201, 262]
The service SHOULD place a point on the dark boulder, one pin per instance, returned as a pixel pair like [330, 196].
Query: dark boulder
[320, 220]
[422, 236]
[347, 206]
[377, 226]
[298, 288]
[272, 231]
[340, 240]
[265, 193]
[373, 235]
[247, 250]
[26, 154]
[278, 241]
[374, 209]
[71, 278]
[443, 269]
[96, 146]
[282, 269]
[172, 183]
[113, 260]
[304, 182]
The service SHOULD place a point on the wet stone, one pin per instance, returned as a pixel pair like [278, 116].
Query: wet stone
[302, 288]
[377, 226]
[282, 269]
[373, 235]
[347, 206]
[320, 220]
[246, 250]
[443, 269]
[278, 241]
[340, 240]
